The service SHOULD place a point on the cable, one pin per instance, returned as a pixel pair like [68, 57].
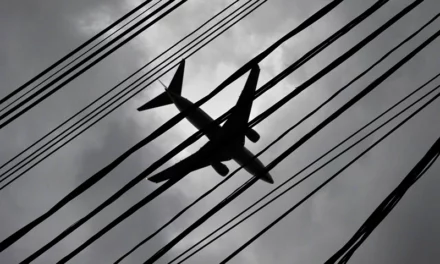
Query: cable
[123, 42]
[327, 42]
[292, 148]
[7, 242]
[198, 134]
[281, 157]
[298, 173]
[390, 205]
[302, 26]
[70, 54]
[324, 183]
[106, 93]
[111, 225]
[54, 208]
[70, 197]
[351, 252]
[336, 62]
[64, 201]
[285, 133]
[14, 168]
[258, 94]
[308, 21]
[325, 154]
[108, 227]
[148, 198]
[387, 205]
[80, 56]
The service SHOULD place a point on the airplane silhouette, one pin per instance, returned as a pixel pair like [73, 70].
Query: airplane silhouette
[225, 142]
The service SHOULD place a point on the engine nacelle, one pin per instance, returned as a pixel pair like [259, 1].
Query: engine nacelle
[252, 135]
[220, 168]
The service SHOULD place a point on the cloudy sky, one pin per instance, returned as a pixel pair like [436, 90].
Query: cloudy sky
[37, 33]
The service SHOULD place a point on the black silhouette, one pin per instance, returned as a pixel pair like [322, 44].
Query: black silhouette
[220, 148]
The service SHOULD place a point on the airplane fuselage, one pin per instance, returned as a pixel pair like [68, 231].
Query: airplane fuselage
[241, 154]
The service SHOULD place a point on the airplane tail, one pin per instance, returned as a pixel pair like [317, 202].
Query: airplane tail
[175, 87]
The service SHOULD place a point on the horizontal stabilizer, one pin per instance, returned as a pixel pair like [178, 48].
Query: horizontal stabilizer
[175, 87]
[160, 100]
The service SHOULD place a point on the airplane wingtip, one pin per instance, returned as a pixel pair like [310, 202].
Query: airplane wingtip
[153, 179]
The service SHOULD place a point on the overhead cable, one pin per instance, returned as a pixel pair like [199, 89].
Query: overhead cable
[154, 194]
[71, 196]
[83, 121]
[14, 237]
[228, 258]
[81, 71]
[305, 177]
[386, 206]
[70, 54]
[292, 148]
[81, 55]
[285, 133]
[236, 75]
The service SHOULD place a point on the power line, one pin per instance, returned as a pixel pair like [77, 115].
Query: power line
[142, 175]
[156, 3]
[325, 183]
[148, 198]
[197, 135]
[18, 166]
[236, 75]
[285, 133]
[298, 173]
[260, 57]
[58, 87]
[337, 62]
[351, 252]
[323, 104]
[7, 242]
[387, 205]
[313, 52]
[80, 56]
[71, 196]
[292, 148]
[270, 166]
[70, 54]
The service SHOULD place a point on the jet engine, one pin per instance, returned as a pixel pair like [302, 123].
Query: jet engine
[252, 135]
[220, 168]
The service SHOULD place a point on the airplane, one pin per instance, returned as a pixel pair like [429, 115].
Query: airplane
[225, 142]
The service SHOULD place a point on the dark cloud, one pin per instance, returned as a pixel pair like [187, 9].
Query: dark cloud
[39, 33]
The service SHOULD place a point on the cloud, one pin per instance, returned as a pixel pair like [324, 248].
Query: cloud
[312, 233]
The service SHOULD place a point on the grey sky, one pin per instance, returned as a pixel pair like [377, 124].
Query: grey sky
[36, 33]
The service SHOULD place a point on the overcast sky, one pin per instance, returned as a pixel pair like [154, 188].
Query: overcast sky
[37, 33]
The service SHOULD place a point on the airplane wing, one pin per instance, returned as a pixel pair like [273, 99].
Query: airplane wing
[237, 123]
[184, 166]
[196, 161]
